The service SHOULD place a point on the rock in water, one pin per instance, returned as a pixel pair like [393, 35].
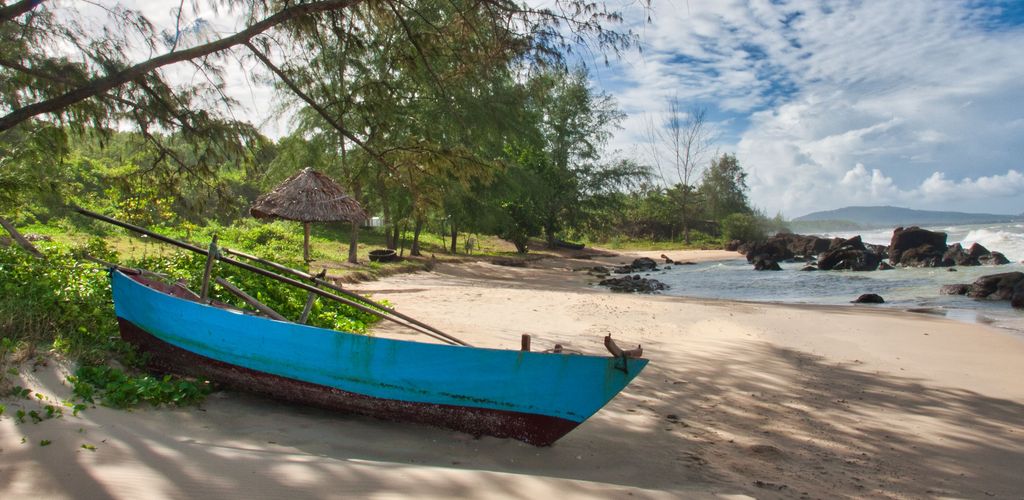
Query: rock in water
[766, 265]
[996, 286]
[955, 289]
[869, 298]
[993, 259]
[916, 247]
[633, 284]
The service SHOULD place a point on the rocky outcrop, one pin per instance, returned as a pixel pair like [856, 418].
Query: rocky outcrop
[909, 247]
[851, 254]
[633, 284]
[771, 249]
[1002, 286]
[783, 246]
[641, 265]
[916, 247]
[805, 246]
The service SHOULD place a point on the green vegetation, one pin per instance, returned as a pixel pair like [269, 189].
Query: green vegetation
[117, 389]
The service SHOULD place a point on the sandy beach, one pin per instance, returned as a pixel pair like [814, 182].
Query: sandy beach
[739, 399]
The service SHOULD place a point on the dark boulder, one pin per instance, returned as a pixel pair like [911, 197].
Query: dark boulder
[916, 247]
[766, 265]
[996, 286]
[1017, 299]
[643, 264]
[803, 246]
[993, 259]
[869, 298]
[808, 268]
[772, 249]
[1003, 286]
[667, 259]
[633, 284]
[975, 256]
[955, 289]
[884, 266]
[850, 254]
[733, 246]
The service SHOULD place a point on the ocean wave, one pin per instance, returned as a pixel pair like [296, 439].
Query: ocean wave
[1011, 244]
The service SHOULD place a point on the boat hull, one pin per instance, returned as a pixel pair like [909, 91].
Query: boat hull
[532, 397]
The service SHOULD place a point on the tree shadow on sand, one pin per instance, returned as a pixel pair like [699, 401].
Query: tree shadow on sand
[738, 418]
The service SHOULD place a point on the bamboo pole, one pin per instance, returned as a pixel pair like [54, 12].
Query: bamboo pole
[310, 299]
[385, 314]
[320, 281]
[249, 299]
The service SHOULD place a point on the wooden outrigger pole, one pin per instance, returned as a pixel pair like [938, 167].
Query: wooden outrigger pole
[384, 312]
[332, 286]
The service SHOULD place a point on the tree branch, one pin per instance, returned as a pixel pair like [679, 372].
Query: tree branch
[9, 12]
[313, 104]
[101, 85]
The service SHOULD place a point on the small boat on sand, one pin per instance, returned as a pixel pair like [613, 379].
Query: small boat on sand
[535, 397]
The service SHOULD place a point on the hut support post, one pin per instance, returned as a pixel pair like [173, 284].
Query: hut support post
[305, 241]
[211, 255]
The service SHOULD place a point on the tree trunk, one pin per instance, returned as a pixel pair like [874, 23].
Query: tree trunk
[414, 250]
[393, 239]
[353, 243]
[455, 237]
[401, 241]
[549, 233]
[686, 221]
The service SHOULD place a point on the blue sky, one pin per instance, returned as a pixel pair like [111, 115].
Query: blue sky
[916, 103]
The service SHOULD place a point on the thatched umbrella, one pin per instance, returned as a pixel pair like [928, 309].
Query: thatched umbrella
[308, 196]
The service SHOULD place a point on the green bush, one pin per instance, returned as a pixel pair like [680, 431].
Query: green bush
[743, 227]
[57, 301]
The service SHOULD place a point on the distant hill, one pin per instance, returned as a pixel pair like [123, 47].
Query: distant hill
[897, 216]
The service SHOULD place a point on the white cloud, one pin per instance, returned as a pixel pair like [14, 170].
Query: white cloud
[863, 102]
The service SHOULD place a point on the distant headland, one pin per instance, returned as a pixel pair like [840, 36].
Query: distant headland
[887, 216]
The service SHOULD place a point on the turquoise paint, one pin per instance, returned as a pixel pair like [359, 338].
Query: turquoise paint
[572, 387]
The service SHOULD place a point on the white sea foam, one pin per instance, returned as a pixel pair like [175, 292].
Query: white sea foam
[1005, 240]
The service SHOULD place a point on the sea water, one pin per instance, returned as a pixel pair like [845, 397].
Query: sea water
[912, 289]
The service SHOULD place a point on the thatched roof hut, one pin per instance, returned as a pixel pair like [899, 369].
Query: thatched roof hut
[308, 196]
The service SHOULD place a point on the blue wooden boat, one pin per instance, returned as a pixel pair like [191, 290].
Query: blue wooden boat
[535, 397]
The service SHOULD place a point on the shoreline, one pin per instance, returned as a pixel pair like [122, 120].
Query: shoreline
[740, 398]
[1005, 319]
